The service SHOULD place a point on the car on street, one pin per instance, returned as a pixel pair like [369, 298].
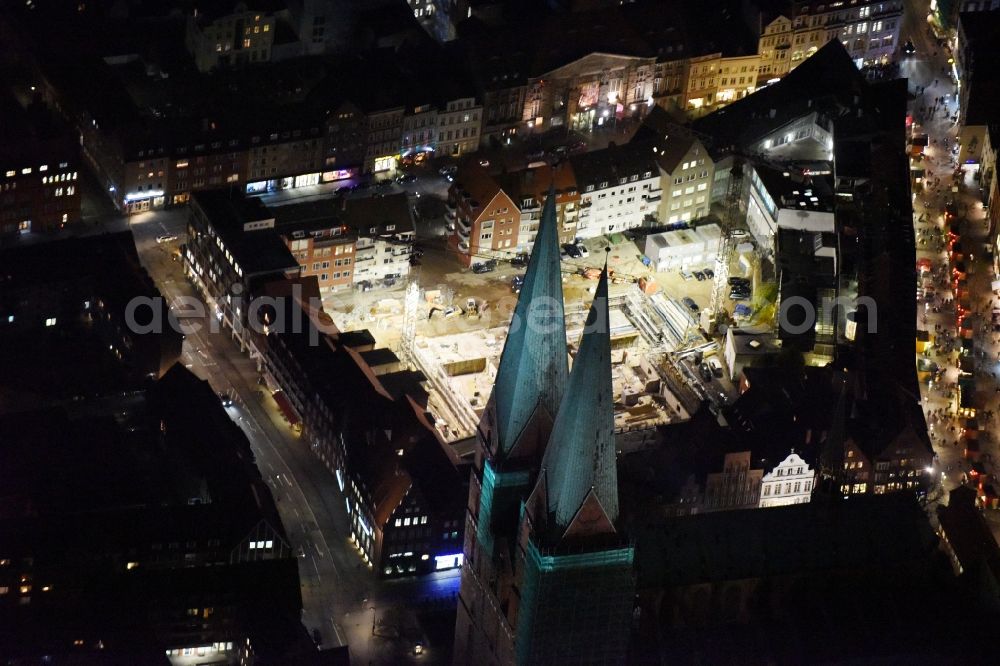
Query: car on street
[738, 295]
[734, 281]
[908, 48]
[689, 302]
[448, 170]
[516, 283]
[698, 275]
[166, 238]
[687, 275]
[484, 267]
[572, 250]
[738, 233]
[406, 178]
[716, 366]
[709, 273]
[484, 163]
[584, 252]
[227, 401]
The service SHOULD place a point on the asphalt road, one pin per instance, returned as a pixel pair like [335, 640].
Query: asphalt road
[336, 588]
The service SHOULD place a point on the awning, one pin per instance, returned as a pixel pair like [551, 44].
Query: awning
[286, 408]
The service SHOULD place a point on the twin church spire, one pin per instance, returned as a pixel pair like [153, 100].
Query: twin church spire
[534, 392]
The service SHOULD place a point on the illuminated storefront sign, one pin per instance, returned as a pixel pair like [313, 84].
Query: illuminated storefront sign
[140, 196]
[448, 561]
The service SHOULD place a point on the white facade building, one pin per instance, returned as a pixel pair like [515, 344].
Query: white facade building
[791, 482]
[619, 186]
[459, 126]
[687, 173]
[684, 248]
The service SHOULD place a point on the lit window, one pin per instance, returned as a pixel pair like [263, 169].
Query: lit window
[269, 544]
[253, 545]
[11, 174]
[131, 565]
[51, 321]
[25, 171]
[44, 167]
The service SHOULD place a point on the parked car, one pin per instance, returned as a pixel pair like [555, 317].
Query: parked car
[519, 260]
[516, 283]
[738, 295]
[484, 163]
[406, 178]
[448, 170]
[709, 273]
[705, 371]
[582, 249]
[733, 281]
[716, 366]
[687, 275]
[484, 267]
[738, 233]
[699, 276]
[572, 250]
[166, 238]
[692, 306]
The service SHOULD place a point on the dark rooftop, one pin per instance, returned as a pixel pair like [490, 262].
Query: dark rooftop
[256, 251]
[612, 163]
[33, 137]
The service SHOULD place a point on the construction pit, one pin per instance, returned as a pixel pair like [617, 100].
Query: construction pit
[460, 323]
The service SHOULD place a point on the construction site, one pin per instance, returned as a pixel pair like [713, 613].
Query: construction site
[452, 327]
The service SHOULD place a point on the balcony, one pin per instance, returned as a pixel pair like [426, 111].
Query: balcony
[463, 247]
[652, 196]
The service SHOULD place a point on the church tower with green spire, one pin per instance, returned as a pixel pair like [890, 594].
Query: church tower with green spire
[547, 576]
